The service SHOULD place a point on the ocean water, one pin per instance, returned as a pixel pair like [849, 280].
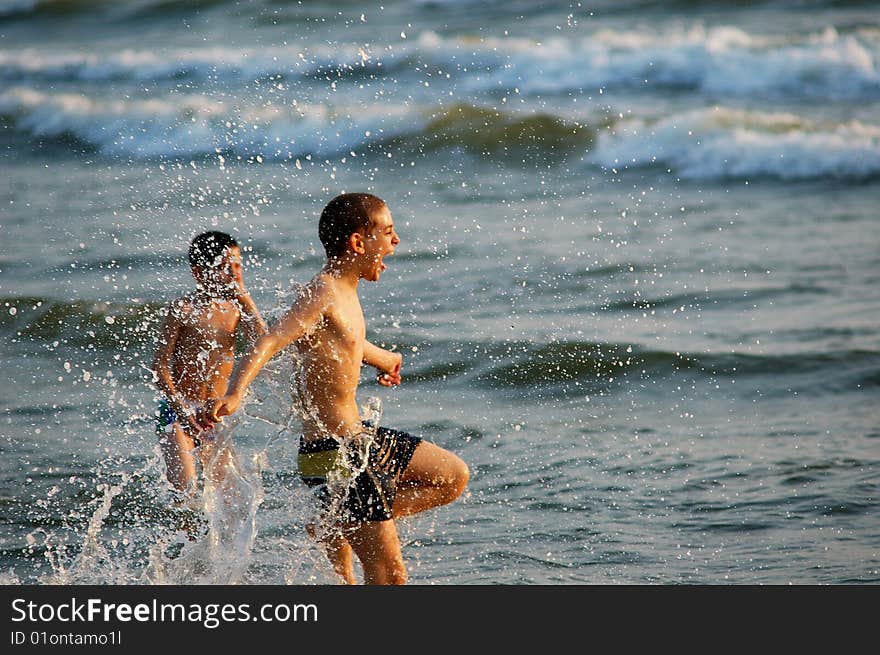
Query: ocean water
[637, 289]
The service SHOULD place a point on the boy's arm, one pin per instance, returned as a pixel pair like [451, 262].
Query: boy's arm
[162, 369]
[386, 362]
[301, 317]
[252, 322]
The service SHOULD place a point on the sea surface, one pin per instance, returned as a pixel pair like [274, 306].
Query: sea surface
[637, 290]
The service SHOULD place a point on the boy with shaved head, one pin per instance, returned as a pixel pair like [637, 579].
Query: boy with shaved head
[388, 473]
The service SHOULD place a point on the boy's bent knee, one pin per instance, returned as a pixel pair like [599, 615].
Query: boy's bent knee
[453, 482]
[464, 477]
[460, 476]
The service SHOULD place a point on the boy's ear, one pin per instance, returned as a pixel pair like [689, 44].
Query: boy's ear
[356, 243]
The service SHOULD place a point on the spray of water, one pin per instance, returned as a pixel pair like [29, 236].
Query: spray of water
[135, 529]
[217, 550]
[354, 451]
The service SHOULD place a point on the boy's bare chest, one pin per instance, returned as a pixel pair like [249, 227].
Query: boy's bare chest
[345, 327]
[349, 326]
[216, 322]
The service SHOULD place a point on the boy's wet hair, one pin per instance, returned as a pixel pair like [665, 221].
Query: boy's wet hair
[207, 248]
[343, 216]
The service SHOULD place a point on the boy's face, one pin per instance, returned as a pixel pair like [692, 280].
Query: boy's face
[379, 242]
[225, 278]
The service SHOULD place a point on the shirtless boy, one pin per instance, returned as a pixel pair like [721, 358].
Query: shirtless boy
[195, 354]
[404, 474]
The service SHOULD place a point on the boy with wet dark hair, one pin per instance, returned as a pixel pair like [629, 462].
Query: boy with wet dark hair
[207, 247]
[394, 474]
[195, 353]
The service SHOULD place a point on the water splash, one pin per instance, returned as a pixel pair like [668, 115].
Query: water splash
[354, 453]
[137, 530]
[353, 458]
[99, 557]
[221, 535]
[94, 554]
[121, 523]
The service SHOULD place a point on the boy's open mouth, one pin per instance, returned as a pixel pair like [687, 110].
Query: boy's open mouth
[382, 265]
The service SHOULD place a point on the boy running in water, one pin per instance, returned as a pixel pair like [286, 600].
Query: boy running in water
[402, 474]
[195, 354]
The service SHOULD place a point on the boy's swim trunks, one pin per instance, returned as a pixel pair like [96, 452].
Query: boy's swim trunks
[370, 495]
[165, 417]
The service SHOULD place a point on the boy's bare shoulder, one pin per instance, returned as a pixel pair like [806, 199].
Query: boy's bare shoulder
[318, 290]
[180, 308]
[309, 304]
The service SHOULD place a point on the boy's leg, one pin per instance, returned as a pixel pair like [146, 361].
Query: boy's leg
[433, 477]
[378, 549]
[338, 551]
[216, 459]
[180, 464]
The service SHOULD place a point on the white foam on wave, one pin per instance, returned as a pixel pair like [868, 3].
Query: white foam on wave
[194, 124]
[722, 60]
[142, 128]
[705, 143]
[719, 60]
[721, 142]
[207, 62]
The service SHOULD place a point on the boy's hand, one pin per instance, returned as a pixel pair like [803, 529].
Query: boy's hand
[241, 293]
[191, 425]
[203, 416]
[220, 407]
[391, 377]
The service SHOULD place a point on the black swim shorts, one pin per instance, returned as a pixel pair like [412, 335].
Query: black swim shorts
[370, 495]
